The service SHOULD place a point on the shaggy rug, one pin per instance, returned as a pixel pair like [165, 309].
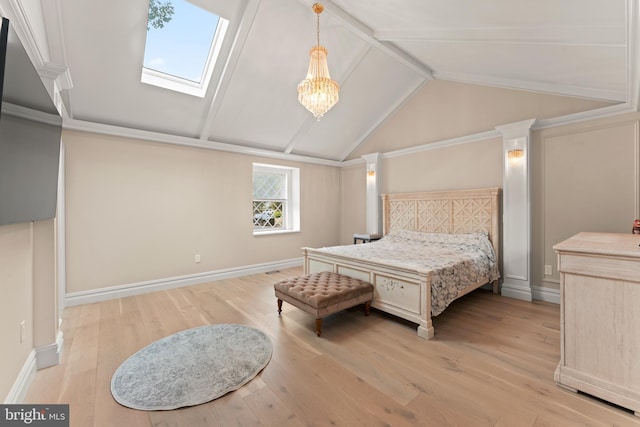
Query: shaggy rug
[191, 367]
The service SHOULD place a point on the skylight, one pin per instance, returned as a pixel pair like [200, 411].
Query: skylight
[182, 53]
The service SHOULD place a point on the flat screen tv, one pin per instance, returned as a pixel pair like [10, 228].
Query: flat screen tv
[30, 132]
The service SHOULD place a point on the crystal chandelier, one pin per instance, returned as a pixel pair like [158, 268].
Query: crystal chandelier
[318, 93]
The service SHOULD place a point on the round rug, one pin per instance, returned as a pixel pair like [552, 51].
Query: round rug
[191, 367]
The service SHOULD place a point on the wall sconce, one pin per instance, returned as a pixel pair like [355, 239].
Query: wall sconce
[371, 173]
[515, 156]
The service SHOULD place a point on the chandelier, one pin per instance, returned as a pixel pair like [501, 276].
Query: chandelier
[318, 93]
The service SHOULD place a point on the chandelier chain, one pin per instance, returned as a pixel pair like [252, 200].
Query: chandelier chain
[318, 29]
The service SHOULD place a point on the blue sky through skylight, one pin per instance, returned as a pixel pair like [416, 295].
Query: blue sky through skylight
[182, 46]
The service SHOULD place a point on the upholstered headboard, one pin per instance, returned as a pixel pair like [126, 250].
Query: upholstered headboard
[459, 211]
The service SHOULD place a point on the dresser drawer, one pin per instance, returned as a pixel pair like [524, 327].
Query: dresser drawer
[613, 268]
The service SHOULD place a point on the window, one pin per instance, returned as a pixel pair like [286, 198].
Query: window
[180, 53]
[276, 199]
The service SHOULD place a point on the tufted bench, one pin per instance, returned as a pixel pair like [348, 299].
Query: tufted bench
[324, 293]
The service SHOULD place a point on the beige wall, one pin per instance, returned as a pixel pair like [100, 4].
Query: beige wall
[16, 304]
[442, 110]
[139, 211]
[474, 165]
[584, 176]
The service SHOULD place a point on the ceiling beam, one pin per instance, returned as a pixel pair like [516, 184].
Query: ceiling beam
[590, 35]
[241, 33]
[368, 35]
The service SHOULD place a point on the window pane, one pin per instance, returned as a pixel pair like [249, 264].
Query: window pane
[269, 186]
[181, 47]
[268, 214]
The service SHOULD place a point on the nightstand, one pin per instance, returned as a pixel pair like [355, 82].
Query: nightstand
[365, 237]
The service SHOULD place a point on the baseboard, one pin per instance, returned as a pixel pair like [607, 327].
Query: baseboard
[520, 292]
[21, 386]
[49, 355]
[546, 294]
[103, 294]
[524, 293]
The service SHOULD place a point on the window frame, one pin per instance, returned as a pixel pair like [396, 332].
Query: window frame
[292, 200]
[189, 87]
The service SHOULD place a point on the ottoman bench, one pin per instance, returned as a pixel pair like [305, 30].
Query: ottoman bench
[324, 293]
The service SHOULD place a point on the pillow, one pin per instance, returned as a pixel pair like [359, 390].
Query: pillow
[439, 237]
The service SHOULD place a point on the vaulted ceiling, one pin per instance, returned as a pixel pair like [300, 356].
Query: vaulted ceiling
[380, 52]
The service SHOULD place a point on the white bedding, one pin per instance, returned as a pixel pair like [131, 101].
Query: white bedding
[454, 260]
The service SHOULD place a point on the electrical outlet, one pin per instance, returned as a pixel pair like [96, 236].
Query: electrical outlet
[197, 258]
[22, 331]
[548, 270]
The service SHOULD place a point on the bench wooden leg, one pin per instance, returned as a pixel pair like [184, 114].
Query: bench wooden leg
[367, 308]
[279, 306]
[318, 327]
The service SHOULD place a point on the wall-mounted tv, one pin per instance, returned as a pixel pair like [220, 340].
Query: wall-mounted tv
[30, 131]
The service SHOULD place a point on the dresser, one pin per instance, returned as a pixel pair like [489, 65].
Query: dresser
[600, 316]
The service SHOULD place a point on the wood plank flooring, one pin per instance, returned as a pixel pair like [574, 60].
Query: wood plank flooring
[490, 363]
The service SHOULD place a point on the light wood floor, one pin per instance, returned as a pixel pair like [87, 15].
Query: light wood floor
[490, 363]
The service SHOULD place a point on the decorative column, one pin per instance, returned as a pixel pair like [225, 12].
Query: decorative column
[374, 207]
[516, 210]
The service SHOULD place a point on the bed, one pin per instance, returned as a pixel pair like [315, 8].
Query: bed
[438, 225]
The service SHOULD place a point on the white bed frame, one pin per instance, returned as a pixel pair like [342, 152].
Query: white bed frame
[406, 292]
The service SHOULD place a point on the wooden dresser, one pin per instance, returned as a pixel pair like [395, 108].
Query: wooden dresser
[600, 316]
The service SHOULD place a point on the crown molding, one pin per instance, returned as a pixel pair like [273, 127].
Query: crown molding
[613, 110]
[599, 113]
[111, 130]
[39, 55]
[442, 144]
[30, 114]
[553, 89]
[14, 11]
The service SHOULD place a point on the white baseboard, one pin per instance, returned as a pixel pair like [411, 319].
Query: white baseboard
[103, 294]
[516, 291]
[524, 293]
[21, 386]
[49, 355]
[546, 294]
